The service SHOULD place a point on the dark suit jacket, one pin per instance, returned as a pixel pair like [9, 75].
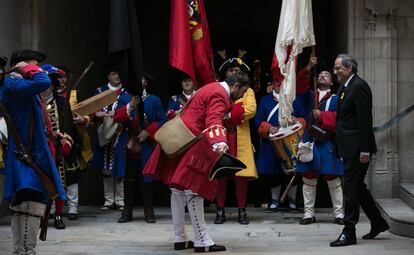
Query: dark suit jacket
[354, 119]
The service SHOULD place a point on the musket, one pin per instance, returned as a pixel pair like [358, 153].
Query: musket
[26, 157]
[284, 195]
[66, 105]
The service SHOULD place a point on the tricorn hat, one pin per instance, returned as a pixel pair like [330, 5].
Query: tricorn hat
[184, 76]
[110, 67]
[225, 166]
[150, 78]
[234, 62]
[25, 55]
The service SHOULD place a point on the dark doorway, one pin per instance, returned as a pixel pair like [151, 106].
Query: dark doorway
[235, 24]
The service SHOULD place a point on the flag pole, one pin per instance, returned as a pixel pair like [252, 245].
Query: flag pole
[213, 69]
[315, 82]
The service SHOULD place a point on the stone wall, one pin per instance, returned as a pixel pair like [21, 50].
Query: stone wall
[10, 22]
[64, 30]
[405, 95]
[380, 34]
[71, 33]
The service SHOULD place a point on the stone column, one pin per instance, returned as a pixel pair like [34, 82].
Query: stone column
[373, 42]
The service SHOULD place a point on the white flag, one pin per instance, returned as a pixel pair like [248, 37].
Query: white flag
[295, 31]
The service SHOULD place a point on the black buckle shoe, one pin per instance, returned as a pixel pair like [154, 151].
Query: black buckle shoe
[292, 206]
[183, 245]
[374, 232]
[58, 223]
[149, 214]
[125, 218]
[72, 216]
[211, 248]
[150, 219]
[343, 240]
[243, 217]
[220, 216]
[307, 221]
[339, 221]
[273, 206]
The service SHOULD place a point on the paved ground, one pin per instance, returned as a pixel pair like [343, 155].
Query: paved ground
[97, 232]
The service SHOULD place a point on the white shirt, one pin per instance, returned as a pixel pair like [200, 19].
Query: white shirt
[322, 93]
[347, 81]
[225, 86]
[275, 94]
[188, 96]
[111, 87]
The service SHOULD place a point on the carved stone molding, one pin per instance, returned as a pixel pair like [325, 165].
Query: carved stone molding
[370, 19]
[392, 19]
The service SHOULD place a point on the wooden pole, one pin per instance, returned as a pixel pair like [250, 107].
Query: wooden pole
[315, 82]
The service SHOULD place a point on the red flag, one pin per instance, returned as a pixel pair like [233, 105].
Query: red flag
[190, 47]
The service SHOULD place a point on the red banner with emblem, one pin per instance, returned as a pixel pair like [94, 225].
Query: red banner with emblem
[190, 46]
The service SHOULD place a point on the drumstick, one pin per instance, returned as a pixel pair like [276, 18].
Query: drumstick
[282, 199]
[315, 83]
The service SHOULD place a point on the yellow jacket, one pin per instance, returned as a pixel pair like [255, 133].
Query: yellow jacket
[245, 147]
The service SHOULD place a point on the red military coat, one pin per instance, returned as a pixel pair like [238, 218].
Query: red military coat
[205, 112]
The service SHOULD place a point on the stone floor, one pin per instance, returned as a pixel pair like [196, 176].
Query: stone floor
[97, 232]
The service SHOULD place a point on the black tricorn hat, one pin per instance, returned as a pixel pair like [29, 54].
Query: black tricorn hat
[234, 62]
[3, 62]
[110, 67]
[25, 55]
[150, 78]
[225, 166]
[184, 76]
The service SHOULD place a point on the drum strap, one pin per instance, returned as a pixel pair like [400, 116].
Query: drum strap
[327, 104]
[273, 112]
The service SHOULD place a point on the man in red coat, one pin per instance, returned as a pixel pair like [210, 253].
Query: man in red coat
[187, 174]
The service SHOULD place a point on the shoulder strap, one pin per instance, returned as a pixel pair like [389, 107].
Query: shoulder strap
[186, 105]
[272, 112]
[328, 102]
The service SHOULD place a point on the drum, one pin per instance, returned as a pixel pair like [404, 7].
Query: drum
[285, 143]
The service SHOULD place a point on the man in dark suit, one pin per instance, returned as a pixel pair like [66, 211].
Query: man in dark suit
[356, 143]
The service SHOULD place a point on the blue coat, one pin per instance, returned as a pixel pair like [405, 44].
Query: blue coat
[174, 104]
[153, 111]
[118, 164]
[267, 163]
[325, 160]
[20, 98]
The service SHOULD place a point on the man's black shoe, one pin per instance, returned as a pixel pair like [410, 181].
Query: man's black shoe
[150, 219]
[339, 221]
[125, 218]
[183, 245]
[242, 219]
[374, 232]
[72, 216]
[307, 221]
[343, 240]
[220, 216]
[58, 223]
[211, 248]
